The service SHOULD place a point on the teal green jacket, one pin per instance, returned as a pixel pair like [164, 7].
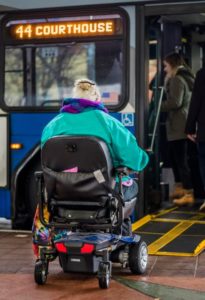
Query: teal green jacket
[122, 144]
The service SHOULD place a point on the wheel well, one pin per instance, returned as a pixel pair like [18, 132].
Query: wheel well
[24, 191]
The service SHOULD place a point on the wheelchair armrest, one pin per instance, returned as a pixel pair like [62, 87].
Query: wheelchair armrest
[122, 171]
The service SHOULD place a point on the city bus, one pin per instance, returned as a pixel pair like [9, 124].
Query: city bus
[119, 45]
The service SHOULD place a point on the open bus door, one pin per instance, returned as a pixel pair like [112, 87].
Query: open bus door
[154, 188]
[167, 31]
[162, 38]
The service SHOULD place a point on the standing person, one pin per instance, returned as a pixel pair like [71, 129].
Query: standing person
[178, 88]
[195, 125]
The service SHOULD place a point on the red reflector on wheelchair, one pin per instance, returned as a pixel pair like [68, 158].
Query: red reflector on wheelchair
[35, 249]
[87, 248]
[61, 247]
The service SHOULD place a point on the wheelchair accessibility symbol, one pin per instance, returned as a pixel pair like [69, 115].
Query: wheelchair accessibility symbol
[127, 119]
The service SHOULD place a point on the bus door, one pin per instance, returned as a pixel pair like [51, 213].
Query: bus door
[181, 31]
[154, 196]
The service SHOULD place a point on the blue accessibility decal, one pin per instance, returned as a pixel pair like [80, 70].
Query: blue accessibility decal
[127, 119]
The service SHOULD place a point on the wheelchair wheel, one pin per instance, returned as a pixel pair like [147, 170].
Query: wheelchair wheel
[138, 258]
[41, 272]
[104, 276]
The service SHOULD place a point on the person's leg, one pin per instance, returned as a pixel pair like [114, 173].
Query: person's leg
[41, 234]
[201, 153]
[193, 161]
[184, 171]
[173, 145]
[178, 191]
[182, 162]
[131, 191]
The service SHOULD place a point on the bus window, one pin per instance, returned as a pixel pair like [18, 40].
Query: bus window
[58, 67]
[56, 70]
[14, 85]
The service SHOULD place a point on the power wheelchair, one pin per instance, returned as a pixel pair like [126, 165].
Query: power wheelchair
[89, 221]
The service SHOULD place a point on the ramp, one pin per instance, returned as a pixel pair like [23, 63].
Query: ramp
[175, 232]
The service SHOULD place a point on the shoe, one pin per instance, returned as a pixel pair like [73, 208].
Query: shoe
[178, 192]
[202, 207]
[187, 199]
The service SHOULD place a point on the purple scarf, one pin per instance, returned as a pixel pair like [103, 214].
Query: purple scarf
[75, 106]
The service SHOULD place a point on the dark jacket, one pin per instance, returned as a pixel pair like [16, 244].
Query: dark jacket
[178, 91]
[196, 116]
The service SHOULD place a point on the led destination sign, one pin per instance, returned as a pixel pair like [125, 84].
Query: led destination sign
[62, 29]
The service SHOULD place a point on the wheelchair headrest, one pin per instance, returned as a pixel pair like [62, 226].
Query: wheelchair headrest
[89, 155]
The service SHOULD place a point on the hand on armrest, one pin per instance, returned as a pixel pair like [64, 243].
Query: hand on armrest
[124, 171]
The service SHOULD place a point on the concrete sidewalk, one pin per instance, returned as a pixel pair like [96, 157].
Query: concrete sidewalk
[17, 282]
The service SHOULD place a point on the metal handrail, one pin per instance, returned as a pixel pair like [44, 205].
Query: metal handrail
[156, 119]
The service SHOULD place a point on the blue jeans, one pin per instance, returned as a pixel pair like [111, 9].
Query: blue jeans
[201, 153]
[129, 192]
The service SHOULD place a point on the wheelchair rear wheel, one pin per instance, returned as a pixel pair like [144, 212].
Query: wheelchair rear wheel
[138, 258]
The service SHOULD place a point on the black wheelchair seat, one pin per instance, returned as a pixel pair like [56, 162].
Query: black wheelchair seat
[86, 196]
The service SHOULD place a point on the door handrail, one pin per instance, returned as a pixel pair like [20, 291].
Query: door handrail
[161, 88]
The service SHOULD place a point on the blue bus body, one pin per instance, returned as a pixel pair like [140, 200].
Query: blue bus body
[26, 129]
[126, 62]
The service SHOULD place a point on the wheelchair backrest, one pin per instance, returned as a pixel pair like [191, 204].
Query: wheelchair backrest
[90, 156]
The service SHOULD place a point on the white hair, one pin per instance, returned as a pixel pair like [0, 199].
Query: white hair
[86, 89]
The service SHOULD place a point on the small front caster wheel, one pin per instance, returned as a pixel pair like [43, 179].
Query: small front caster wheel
[104, 275]
[41, 272]
[138, 258]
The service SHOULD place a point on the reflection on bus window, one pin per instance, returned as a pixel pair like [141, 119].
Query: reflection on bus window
[54, 68]
[57, 68]
[152, 73]
[14, 85]
[109, 71]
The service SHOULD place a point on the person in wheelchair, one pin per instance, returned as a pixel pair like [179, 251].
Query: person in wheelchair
[84, 115]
